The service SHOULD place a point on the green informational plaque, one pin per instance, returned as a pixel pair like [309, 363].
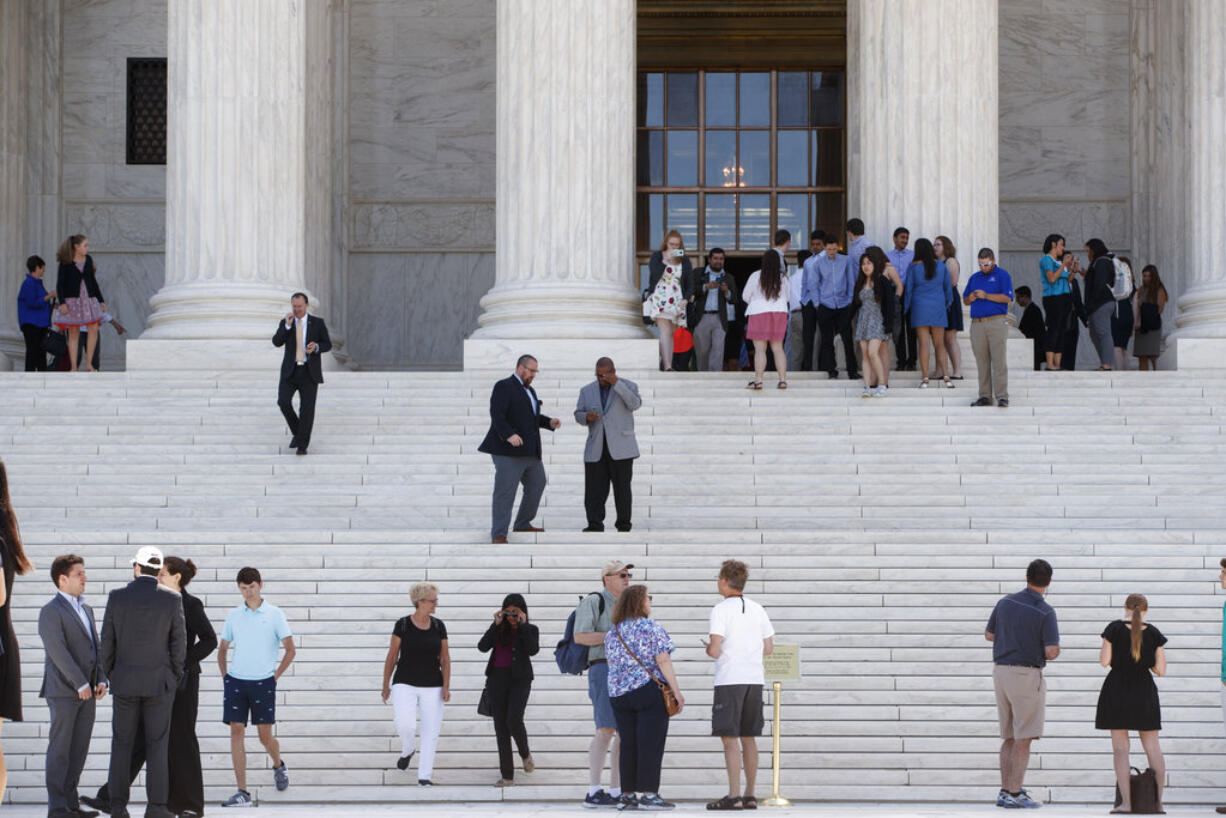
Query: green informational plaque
[783, 664]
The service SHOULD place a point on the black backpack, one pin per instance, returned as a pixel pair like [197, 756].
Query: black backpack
[570, 655]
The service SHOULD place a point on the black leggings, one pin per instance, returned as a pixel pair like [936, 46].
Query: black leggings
[36, 358]
[642, 727]
[1058, 311]
[508, 701]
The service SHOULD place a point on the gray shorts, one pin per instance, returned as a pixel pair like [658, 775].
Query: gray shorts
[1021, 694]
[736, 711]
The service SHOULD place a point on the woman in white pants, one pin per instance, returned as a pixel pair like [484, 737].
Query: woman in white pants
[422, 663]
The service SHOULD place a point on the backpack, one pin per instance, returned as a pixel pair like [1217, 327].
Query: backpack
[570, 655]
[1123, 286]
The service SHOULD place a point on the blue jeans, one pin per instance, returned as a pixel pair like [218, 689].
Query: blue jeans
[598, 692]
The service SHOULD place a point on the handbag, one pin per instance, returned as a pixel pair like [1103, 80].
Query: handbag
[1144, 786]
[483, 704]
[54, 342]
[1151, 318]
[671, 705]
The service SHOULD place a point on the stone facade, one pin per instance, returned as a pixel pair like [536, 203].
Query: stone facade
[400, 170]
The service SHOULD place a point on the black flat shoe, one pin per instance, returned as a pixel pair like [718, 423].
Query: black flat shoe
[96, 803]
[982, 402]
[726, 803]
[302, 450]
[402, 763]
[593, 529]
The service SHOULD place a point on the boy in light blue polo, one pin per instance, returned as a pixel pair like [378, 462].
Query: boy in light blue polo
[257, 630]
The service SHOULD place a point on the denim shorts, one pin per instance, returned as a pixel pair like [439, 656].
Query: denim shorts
[241, 697]
[598, 692]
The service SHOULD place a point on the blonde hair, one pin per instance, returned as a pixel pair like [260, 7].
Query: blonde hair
[422, 590]
[1137, 604]
[669, 235]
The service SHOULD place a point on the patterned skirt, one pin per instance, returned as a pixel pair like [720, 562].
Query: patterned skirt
[82, 311]
[666, 300]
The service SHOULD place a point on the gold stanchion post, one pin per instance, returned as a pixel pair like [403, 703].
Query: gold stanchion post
[776, 800]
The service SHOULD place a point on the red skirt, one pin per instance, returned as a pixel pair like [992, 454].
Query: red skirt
[767, 326]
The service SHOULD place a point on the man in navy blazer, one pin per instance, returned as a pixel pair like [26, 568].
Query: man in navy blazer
[514, 443]
[606, 407]
[305, 338]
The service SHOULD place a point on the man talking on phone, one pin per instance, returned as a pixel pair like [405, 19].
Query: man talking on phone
[606, 407]
[305, 338]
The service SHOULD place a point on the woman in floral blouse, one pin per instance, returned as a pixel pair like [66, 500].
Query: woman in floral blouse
[637, 649]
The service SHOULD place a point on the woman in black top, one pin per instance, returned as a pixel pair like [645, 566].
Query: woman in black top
[12, 561]
[1100, 301]
[418, 653]
[1129, 698]
[508, 679]
[82, 304]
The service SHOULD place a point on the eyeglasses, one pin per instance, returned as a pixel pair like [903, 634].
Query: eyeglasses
[622, 575]
[649, 597]
[533, 371]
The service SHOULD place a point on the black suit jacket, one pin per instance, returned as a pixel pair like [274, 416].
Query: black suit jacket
[144, 639]
[698, 306]
[317, 331]
[68, 280]
[525, 643]
[201, 638]
[511, 414]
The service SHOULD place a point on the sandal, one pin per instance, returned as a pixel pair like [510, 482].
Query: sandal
[783, 385]
[749, 802]
[924, 384]
[755, 385]
[727, 802]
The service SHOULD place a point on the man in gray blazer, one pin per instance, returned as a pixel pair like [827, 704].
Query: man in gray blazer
[72, 682]
[144, 646]
[606, 407]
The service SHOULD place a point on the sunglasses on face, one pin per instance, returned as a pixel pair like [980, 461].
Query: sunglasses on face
[622, 575]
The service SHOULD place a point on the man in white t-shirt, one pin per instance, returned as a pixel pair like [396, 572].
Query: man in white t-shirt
[741, 634]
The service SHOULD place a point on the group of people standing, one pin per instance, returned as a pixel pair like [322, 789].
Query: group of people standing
[1116, 309]
[74, 305]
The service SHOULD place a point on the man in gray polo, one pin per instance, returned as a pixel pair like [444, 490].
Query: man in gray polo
[1024, 637]
[593, 619]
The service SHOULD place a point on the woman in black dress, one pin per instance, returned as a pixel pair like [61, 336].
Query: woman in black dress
[1129, 698]
[12, 562]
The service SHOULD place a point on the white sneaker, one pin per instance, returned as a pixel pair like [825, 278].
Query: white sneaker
[867, 393]
[881, 392]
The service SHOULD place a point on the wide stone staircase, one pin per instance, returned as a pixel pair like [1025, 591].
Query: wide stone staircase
[879, 534]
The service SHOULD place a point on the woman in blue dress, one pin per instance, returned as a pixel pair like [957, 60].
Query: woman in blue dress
[926, 299]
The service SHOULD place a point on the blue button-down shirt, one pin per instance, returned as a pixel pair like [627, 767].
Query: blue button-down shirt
[901, 259]
[836, 278]
[856, 248]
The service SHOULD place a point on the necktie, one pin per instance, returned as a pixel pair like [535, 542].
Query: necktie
[300, 353]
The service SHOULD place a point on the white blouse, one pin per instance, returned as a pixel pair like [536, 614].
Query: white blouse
[757, 300]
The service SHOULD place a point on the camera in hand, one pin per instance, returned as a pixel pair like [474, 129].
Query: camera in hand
[510, 614]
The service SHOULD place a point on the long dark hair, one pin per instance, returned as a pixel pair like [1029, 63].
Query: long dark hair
[1097, 249]
[878, 271]
[10, 539]
[925, 254]
[771, 279]
[506, 634]
[1149, 292]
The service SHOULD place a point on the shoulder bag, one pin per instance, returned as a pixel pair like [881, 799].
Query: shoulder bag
[671, 705]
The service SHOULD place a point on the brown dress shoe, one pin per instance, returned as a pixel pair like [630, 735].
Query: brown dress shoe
[529, 528]
[499, 541]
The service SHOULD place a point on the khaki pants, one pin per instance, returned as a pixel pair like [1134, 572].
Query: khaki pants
[709, 337]
[988, 340]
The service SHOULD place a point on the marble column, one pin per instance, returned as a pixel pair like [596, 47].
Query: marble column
[1202, 305]
[923, 126]
[565, 266]
[14, 73]
[236, 196]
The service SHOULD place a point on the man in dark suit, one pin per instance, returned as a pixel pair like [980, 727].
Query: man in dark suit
[72, 682]
[305, 338]
[606, 407]
[514, 443]
[1031, 324]
[144, 646]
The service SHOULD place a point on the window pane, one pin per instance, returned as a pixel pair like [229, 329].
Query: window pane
[826, 98]
[828, 214]
[651, 100]
[756, 100]
[755, 233]
[828, 158]
[793, 158]
[682, 100]
[756, 158]
[792, 214]
[649, 220]
[721, 159]
[720, 221]
[682, 158]
[793, 98]
[650, 158]
[683, 217]
[721, 100]
[644, 276]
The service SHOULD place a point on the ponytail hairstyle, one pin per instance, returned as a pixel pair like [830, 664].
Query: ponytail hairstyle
[926, 255]
[771, 279]
[1138, 605]
[186, 569]
[68, 249]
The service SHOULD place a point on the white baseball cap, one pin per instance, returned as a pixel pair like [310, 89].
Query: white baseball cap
[614, 567]
[148, 556]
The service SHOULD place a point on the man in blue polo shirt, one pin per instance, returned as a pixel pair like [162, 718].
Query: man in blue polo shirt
[989, 293]
[257, 630]
[1024, 637]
